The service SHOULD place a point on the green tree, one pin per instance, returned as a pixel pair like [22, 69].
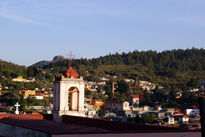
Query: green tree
[23, 104]
[149, 118]
[10, 98]
[102, 111]
[123, 87]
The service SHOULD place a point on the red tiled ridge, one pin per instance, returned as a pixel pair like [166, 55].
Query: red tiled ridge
[21, 116]
[5, 115]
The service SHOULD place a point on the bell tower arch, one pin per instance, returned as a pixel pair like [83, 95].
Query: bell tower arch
[68, 95]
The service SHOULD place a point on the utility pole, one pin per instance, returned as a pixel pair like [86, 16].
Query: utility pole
[113, 88]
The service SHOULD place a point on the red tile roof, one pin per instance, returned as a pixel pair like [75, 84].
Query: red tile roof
[135, 96]
[71, 72]
[178, 114]
[21, 116]
[185, 116]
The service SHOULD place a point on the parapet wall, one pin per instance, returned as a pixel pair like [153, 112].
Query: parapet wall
[117, 126]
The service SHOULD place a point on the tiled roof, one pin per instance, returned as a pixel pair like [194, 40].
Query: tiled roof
[21, 116]
[71, 72]
[135, 96]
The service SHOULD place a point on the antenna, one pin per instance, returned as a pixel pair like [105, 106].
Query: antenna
[70, 58]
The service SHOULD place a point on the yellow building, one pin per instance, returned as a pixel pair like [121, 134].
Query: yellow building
[19, 79]
[27, 93]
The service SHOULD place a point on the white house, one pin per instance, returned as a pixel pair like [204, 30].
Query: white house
[39, 97]
[185, 119]
[135, 100]
[171, 120]
[90, 113]
[192, 112]
[117, 105]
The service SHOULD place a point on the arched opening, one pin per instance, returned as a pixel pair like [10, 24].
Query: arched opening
[73, 99]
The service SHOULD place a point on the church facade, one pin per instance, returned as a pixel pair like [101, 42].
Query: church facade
[68, 95]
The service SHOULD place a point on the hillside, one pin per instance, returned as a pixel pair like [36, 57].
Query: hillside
[176, 67]
[44, 62]
[8, 69]
[167, 67]
[41, 63]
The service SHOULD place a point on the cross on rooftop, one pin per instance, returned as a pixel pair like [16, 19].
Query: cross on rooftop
[17, 108]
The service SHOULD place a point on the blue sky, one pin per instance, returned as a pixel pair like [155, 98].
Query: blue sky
[34, 30]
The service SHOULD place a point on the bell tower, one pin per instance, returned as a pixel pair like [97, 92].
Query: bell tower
[68, 95]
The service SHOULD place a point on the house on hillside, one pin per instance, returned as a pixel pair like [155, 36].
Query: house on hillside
[192, 112]
[134, 100]
[129, 80]
[27, 93]
[21, 79]
[117, 106]
[97, 103]
[146, 85]
[171, 120]
[185, 119]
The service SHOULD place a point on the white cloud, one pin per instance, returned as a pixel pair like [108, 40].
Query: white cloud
[6, 12]
[16, 18]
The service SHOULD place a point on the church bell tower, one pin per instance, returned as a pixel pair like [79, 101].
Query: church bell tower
[68, 95]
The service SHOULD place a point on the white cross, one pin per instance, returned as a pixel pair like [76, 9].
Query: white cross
[17, 109]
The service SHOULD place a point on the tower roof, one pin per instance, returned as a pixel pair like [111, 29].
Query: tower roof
[135, 96]
[71, 72]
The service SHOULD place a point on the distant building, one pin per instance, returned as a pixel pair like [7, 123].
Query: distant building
[147, 108]
[134, 100]
[104, 79]
[129, 80]
[97, 103]
[91, 113]
[39, 97]
[91, 86]
[185, 119]
[117, 106]
[171, 120]
[170, 110]
[146, 85]
[27, 93]
[192, 112]
[101, 83]
[21, 79]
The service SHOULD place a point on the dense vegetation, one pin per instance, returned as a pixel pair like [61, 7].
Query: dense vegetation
[167, 67]
[176, 70]
[8, 71]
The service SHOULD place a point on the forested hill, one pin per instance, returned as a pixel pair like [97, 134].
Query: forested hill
[167, 67]
[8, 69]
[173, 66]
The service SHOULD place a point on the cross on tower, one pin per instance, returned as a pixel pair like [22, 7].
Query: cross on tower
[17, 109]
